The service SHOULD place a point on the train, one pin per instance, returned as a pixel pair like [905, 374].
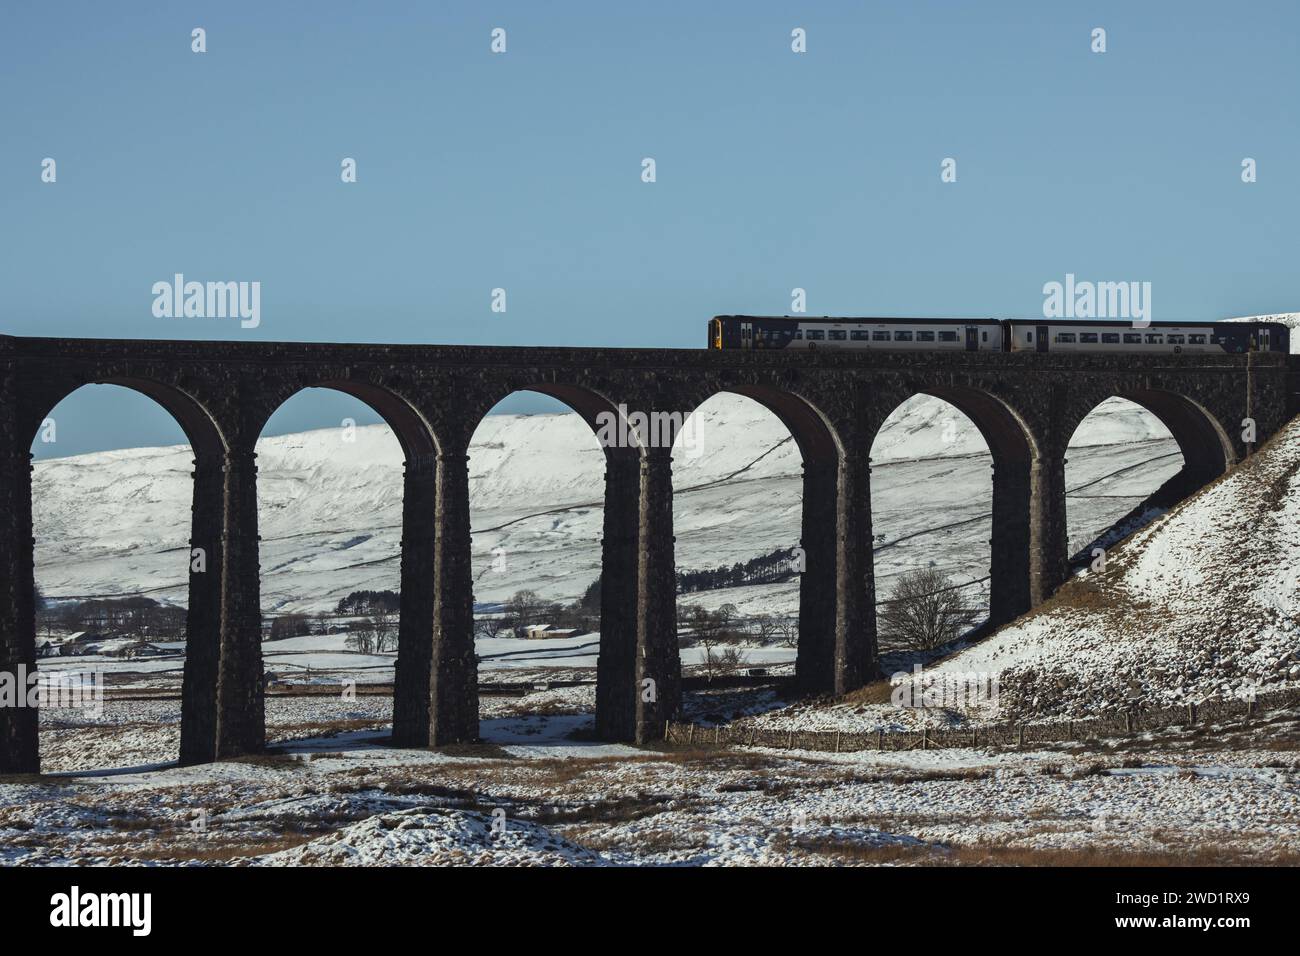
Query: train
[994, 335]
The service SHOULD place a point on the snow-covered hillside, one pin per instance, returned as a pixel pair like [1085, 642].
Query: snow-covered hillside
[1204, 602]
[114, 523]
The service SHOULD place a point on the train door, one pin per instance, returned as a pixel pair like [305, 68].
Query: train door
[746, 335]
[1040, 333]
[1264, 339]
[972, 339]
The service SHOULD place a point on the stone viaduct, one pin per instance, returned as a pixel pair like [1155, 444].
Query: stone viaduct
[1026, 405]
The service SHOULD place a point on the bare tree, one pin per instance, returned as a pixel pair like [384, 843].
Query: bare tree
[485, 627]
[524, 609]
[361, 636]
[383, 623]
[925, 611]
[767, 626]
[788, 629]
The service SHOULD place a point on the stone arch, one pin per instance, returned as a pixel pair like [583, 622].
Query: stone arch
[200, 427]
[1204, 442]
[409, 427]
[820, 449]
[1017, 455]
[1206, 448]
[203, 632]
[616, 659]
[420, 447]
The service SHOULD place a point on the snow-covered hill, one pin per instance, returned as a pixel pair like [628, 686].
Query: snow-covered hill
[1204, 602]
[114, 523]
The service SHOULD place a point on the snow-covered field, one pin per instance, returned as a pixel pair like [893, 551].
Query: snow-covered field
[332, 793]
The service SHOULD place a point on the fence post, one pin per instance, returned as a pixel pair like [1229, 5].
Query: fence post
[690, 739]
[790, 740]
[837, 741]
[880, 738]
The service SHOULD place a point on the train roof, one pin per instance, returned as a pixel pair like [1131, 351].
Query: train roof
[843, 318]
[1114, 323]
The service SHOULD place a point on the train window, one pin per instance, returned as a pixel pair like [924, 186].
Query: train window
[816, 334]
[902, 336]
[838, 335]
[1174, 339]
[880, 336]
[1110, 338]
[925, 336]
[984, 336]
[798, 333]
[1066, 337]
[1090, 337]
[1029, 336]
[947, 336]
[1196, 339]
[857, 335]
[1132, 338]
[1153, 339]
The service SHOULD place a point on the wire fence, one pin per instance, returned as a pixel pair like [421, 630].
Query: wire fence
[1114, 724]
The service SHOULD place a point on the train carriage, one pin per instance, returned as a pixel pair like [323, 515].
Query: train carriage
[994, 335]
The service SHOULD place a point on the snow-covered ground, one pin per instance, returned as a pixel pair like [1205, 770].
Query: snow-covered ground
[538, 791]
[332, 793]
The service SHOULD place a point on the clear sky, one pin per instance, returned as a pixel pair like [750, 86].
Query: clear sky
[522, 170]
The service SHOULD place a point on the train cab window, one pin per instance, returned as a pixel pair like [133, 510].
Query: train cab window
[880, 336]
[1174, 339]
[857, 335]
[816, 334]
[947, 336]
[1089, 337]
[1153, 339]
[1196, 340]
[902, 336]
[1132, 338]
[798, 333]
[837, 335]
[1110, 338]
[925, 336]
[1065, 337]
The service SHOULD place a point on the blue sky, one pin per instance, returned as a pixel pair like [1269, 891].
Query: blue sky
[522, 171]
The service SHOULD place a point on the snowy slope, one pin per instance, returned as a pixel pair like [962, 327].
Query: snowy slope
[330, 509]
[1204, 602]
